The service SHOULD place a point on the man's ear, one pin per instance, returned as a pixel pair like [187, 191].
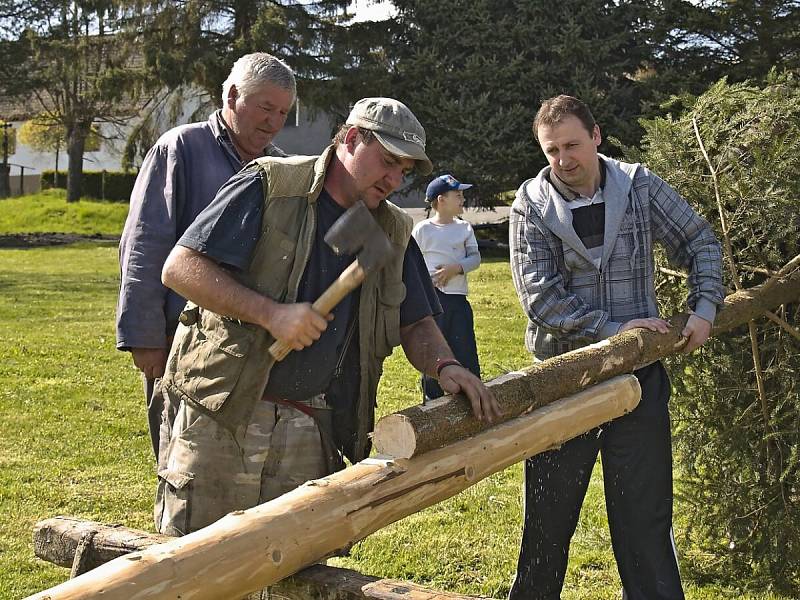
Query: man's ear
[596, 136]
[350, 138]
[233, 95]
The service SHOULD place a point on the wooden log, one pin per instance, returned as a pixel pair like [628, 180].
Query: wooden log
[418, 429]
[329, 583]
[248, 550]
[56, 540]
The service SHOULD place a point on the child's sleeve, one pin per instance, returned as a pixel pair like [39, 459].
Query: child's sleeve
[472, 257]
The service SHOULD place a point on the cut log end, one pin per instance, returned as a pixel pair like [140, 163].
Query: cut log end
[395, 436]
[634, 391]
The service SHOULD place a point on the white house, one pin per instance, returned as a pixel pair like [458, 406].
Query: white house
[305, 132]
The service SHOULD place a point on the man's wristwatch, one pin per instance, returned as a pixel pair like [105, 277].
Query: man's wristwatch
[445, 362]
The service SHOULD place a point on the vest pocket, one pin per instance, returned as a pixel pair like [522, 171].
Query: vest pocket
[210, 359]
[387, 319]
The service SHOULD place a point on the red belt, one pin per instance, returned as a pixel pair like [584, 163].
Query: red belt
[303, 408]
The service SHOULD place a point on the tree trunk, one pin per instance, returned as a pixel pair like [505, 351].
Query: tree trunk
[57, 540]
[419, 429]
[55, 174]
[250, 549]
[76, 141]
[5, 181]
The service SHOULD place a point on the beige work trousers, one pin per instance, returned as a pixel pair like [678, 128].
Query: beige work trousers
[205, 471]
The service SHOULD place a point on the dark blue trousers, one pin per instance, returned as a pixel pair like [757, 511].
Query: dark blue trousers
[456, 323]
[636, 454]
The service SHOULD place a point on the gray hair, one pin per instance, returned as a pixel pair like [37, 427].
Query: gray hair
[253, 70]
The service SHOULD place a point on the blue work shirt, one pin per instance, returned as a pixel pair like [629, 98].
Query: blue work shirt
[179, 177]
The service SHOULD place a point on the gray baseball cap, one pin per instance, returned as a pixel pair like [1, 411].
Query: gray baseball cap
[395, 126]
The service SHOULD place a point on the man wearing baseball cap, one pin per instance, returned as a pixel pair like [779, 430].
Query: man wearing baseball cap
[394, 126]
[248, 429]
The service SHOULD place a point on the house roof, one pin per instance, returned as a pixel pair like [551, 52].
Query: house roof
[16, 109]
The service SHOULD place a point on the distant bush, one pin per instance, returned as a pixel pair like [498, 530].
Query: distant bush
[102, 185]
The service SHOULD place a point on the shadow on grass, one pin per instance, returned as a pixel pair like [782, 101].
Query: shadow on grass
[39, 240]
[39, 286]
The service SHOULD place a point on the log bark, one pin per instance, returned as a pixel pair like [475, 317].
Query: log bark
[249, 549]
[419, 429]
[56, 540]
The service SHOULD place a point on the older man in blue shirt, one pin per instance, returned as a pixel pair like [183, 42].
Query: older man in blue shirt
[178, 179]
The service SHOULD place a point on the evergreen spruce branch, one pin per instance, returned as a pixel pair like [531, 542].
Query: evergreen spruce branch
[674, 273]
[759, 270]
[748, 132]
[783, 325]
[789, 267]
[774, 277]
[723, 219]
[737, 282]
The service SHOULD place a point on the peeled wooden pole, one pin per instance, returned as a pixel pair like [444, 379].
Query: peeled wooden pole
[249, 549]
[65, 541]
[419, 429]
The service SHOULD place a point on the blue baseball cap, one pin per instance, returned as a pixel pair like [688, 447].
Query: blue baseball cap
[444, 184]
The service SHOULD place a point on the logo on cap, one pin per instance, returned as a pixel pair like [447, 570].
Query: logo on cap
[410, 136]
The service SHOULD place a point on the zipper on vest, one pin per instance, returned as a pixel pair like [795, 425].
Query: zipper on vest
[311, 232]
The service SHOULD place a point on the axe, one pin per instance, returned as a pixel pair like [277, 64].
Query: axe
[355, 232]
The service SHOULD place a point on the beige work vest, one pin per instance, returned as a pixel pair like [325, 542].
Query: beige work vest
[222, 365]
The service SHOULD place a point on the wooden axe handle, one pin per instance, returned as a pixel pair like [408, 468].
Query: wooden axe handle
[349, 280]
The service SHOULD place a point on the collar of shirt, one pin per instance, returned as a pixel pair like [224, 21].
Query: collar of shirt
[581, 201]
[571, 195]
[223, 135]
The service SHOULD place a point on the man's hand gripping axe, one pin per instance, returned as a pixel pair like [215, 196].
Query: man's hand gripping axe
[355, 232]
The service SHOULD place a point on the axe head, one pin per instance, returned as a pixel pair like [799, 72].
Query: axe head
[357, 232]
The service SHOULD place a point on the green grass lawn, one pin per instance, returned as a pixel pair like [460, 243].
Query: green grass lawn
[73, 438]
[49, 211]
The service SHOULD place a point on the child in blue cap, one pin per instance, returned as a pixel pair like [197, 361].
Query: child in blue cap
[450, 250]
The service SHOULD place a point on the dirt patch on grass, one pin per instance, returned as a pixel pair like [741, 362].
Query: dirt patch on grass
[34, 240]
